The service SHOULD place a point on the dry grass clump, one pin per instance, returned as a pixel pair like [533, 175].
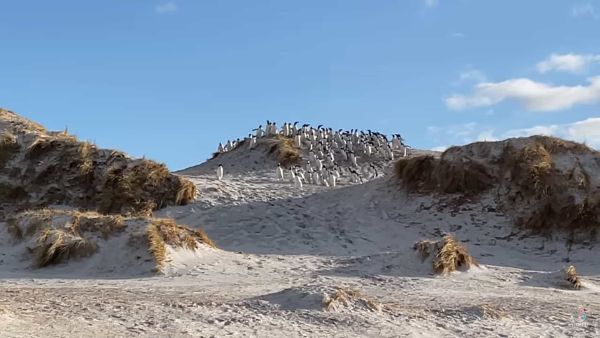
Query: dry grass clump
[346, 296]
[284, 149]
[141, 187]
[163, 232]
[449, 254]
[426, 173]
[19, 123]
[556, 145]
[59, 245]
[9, 146]
[61, 234]
[570, 275]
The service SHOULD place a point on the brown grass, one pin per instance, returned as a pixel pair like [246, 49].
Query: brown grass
[142, 187]
[529, 184]
[427, 174]
[570, 275]
[284, 150]
[9, 146]
[58, 245]
[163, 232]
[449, 254]
[345, 296]
[56, 168]
[60, 234]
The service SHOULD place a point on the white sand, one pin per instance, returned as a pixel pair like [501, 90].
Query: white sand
[282, 251]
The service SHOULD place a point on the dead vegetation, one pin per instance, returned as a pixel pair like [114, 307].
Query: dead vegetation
[426, 173]
[448, 254]
[570, 275]
[284, 150]
[545, 183]
[9, 147]
[53, 168]
[61, 235]
[343, 297]
[163, 232]
[60, 245]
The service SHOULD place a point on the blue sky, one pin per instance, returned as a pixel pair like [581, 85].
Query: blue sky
[170, 79]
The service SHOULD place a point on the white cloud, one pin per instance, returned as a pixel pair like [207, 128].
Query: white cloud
[584, 10]
[573, 63]
[431, 3]
[166, 7]
[534, 96]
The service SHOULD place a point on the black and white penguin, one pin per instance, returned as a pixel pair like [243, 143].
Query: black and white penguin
[220, 172]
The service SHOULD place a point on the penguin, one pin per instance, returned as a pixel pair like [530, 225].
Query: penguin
[298, 182]
[221, 149]
[280, 176]
[292, 176]
[220, 172]
[353, 159]
[332, 180]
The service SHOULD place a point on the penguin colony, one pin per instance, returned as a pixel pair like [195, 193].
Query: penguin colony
[331, 154]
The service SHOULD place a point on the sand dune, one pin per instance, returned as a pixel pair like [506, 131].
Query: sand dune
[319, 261]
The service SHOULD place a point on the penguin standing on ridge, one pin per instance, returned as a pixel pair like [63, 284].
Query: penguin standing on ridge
[220, 172]
[280, 176]
[298, 182]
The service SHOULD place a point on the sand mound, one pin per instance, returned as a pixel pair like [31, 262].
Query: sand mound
[52, 236]
[446, 255]
[40, 168]
[264, 155]
[322, 298]
[544, 183]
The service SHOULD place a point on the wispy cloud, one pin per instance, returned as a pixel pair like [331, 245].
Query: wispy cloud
[431, 3]
[471, 75]
[587, 131]
[167, 7]
[573, 63]
[584, 10]
[532, 95]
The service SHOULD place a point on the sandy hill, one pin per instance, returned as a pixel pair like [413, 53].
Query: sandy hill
[543, 183]
[62, 198]
[483, 240]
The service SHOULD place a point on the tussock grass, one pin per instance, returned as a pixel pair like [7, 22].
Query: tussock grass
[284, 150]
[19, 123]
[570, 275]
[60, 235]
[428, 174]
[346, 296]
[448, 254]
[59, 245]
[163, 232]
[56, 168]
[9, 147]
[540, 181]
[142, 187]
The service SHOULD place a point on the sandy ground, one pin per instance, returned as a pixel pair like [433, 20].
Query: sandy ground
[284, 254]
[282, 251]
